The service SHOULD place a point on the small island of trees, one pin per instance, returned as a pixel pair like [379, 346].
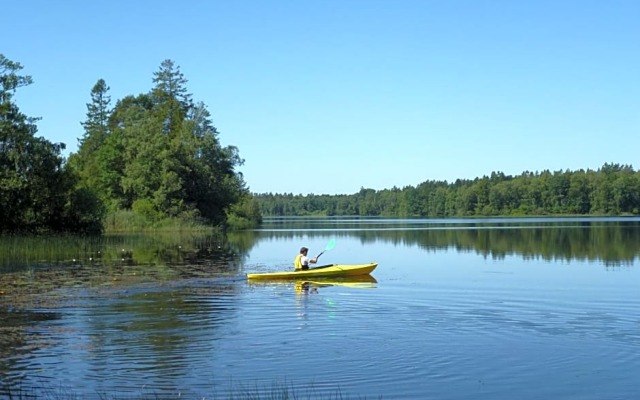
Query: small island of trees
[152, 160]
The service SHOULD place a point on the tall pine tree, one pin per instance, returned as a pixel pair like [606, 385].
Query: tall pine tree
[96, 131]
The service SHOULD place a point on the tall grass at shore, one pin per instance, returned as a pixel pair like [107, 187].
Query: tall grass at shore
[129, 221]
[275, 392]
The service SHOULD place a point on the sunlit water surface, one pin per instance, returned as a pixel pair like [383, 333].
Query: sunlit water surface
[442, 319]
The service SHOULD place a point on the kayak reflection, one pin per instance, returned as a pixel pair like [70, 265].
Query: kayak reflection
[358, 282]
[305, 286]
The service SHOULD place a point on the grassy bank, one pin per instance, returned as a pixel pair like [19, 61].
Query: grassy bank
[125, 221]
[129, 221]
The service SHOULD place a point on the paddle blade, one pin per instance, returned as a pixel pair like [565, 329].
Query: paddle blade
[330, 245]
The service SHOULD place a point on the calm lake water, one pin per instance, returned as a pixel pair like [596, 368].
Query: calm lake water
[457, 309]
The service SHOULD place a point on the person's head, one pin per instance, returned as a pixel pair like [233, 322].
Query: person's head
[304, 251]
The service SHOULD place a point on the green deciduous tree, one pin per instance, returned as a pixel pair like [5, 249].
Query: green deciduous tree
[160, 155]
[37, 191]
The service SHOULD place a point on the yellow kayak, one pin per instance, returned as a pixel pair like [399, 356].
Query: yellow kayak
[332, 270]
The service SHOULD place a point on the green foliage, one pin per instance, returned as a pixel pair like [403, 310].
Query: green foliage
[84, 211]
[145, 209]
[152, 160]
[37, 191]
[88, 162]
[244, 214]
[158, 154]
[143, 220]
[612, 190]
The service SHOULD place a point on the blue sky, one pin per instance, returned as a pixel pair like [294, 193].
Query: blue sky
[328, 96]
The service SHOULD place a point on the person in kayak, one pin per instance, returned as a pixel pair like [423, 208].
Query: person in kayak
[302, 262]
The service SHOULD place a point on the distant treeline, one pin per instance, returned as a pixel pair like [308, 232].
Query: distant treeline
[613, 189]
[152, 160]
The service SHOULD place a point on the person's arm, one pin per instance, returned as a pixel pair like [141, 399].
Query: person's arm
[313, 260]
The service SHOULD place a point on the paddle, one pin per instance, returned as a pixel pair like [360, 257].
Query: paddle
[330, 245]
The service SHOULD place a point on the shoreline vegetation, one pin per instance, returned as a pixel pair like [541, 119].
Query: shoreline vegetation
[129, 222]
[612, 190]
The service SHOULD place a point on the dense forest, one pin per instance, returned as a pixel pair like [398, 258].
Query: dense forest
[153, 157]
[613, 189]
